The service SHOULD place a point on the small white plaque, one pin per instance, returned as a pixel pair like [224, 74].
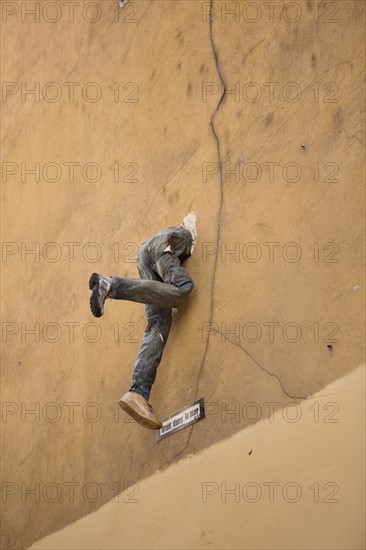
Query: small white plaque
[181, 419]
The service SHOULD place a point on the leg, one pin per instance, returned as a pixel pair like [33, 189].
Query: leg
[175, 285]
[164, 283]
[159, 321]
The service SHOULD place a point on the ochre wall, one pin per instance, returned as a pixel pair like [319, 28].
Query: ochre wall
[175, 141]
[279, 484]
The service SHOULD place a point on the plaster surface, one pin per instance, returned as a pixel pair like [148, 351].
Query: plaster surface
[278, 484]
[156, 109]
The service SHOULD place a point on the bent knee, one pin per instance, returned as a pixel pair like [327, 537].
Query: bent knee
[186, 287]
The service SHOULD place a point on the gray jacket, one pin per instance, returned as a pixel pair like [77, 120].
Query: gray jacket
[177, 240]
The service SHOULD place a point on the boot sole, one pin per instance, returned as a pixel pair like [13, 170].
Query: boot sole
[93, 282]
[128, 407]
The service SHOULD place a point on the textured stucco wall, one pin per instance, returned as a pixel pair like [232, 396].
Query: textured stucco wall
[159, 73]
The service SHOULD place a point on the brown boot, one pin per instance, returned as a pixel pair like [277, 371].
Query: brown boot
[137, 406]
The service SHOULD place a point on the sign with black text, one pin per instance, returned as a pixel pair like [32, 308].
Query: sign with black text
[181, 419]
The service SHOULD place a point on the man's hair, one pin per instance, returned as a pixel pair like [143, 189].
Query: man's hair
[189, 223]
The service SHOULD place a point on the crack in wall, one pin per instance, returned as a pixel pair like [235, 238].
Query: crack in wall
[299, 397]
[219, 214]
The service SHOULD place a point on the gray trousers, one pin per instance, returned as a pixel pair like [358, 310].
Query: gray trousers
[163, 284]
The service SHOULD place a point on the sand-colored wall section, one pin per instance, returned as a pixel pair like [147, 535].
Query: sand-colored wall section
[279, 484]
[141, 89]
